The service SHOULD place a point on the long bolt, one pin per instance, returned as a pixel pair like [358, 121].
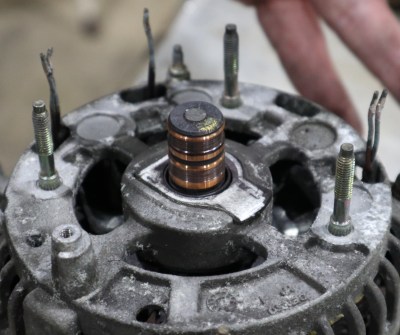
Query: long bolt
[340, 222]
[231, 97]
[48, 176]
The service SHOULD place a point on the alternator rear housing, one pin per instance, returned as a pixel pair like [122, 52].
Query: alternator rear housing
[116, 250]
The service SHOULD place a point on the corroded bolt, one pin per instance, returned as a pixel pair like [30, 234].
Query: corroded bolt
[48, 176]
[231, 96]
[340, 222]
[178, 70]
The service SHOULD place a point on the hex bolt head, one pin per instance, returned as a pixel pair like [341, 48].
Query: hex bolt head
[340, 222]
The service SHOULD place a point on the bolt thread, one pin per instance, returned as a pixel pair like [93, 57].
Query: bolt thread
[344, 178]
[340, 223]
[231, 59]
[48, 176]
[42, 129]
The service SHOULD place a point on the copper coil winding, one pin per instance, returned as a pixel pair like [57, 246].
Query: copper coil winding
[196, 146]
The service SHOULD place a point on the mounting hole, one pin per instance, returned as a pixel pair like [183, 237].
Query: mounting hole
[66, 233]
[152, 314]
[35, 239]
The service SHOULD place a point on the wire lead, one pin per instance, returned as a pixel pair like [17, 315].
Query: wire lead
[378, 112]
[152, 71]
[374, 122]
[55, 113]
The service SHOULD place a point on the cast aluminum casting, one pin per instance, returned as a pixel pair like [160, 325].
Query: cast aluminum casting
[256, 258]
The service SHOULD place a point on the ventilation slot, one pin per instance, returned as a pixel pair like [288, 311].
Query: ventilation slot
[324, 327]
[296, 197]
[354, 320]
[8, 281]
[99, 201]
[296, 105]
[246, 138]
[15, 309]
[388, 281]
[376, 310]
[142, 93]
[152, 314]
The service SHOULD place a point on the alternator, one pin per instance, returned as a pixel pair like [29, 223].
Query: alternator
[199, 207]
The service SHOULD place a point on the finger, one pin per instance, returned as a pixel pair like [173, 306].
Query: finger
[370, 29]
[293, 29]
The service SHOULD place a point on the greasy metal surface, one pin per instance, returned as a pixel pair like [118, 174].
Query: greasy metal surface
[144, 264]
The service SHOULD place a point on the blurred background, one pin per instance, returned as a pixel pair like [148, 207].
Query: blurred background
[100, 47]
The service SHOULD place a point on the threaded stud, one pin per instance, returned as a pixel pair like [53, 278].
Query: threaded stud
[178, 70]
[231, 96]
[48, 176]
[340, 222]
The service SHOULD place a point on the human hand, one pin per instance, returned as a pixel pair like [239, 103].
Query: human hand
[367, 27]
